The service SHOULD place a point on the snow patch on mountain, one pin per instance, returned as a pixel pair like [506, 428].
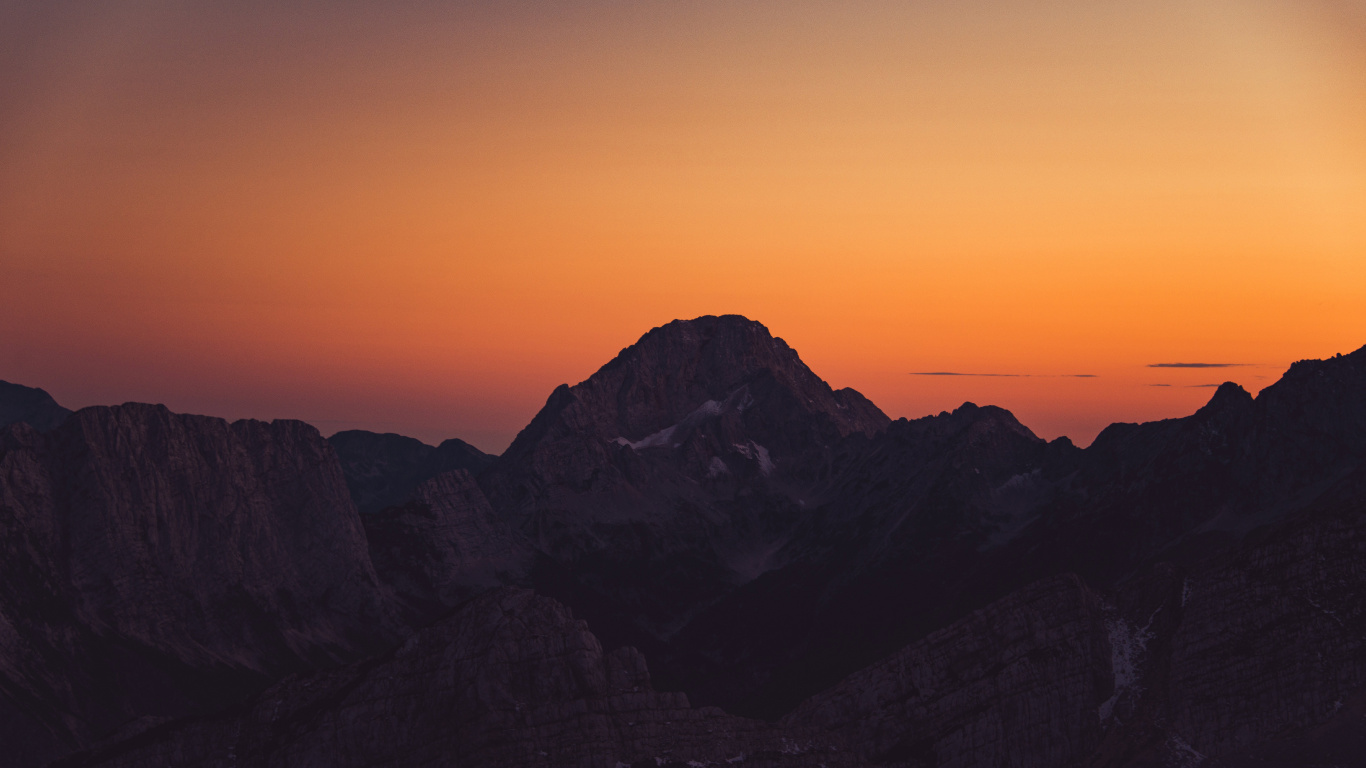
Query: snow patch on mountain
[736, 401]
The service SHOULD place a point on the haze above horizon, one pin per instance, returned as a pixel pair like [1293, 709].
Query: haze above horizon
[421, 217]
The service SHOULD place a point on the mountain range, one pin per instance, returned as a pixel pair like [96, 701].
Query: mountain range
[701, 555]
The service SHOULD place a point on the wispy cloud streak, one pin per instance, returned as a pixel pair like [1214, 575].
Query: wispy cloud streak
[1009, 375]
[1197, 365]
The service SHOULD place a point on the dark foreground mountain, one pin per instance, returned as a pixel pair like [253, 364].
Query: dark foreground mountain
[942, 591]
[154, 564]
[1220, 667]
[935, 517]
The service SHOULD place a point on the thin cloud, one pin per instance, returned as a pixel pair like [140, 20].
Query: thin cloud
[1009, 375]
[1159, 385]
[1202, 386]
[956, 373]
[1197, 365]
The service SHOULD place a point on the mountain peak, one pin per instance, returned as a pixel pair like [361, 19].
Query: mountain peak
[30, 405]
[705, 387]
[1228, 397]
[676, 369]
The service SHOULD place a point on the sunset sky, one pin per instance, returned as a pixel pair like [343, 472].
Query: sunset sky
[420, 217]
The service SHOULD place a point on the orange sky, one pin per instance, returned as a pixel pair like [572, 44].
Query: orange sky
[421, 217]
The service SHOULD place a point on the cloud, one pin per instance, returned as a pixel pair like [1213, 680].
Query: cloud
[1159, 385]
[1196, 365]
[1009, 375]
[1201, 386]
[955, 373]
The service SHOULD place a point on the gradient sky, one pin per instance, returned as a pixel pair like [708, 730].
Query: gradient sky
[422, 216]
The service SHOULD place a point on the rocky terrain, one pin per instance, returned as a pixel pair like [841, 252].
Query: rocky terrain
[444, 544]
[156, 564]
[812, 583]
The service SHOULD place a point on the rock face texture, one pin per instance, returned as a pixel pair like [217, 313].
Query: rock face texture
[155, 563]
[384, 470]
[444, 546]
[31, 406]
[1259, 655]
[1017, 683]
[510, 679]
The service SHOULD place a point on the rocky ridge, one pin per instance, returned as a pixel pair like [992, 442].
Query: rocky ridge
[1190, 593]
[385, 470]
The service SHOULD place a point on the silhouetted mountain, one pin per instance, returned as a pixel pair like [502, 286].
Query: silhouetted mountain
[674, 473]
[949, 590]
[31, 406]
[385, 470]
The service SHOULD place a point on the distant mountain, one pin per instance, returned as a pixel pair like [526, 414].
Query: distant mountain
[674, 473]
[30, 405]
[384, 470]
[950, 590]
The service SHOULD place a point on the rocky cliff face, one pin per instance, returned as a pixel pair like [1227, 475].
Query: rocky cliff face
[445, 545]
[156, 563]
[1017, 683]
[1257, 656]
[31, 406]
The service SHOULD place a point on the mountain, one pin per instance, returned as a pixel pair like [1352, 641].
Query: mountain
[850, 590]
[935, 517]
[31, 406]
[156, 564]
[384, 470]
[673, 473]
[901, 540]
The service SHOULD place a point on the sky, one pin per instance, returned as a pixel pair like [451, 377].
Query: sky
[421, 217]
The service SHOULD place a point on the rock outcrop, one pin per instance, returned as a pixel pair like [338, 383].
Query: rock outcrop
[444, 546]
[156, 564]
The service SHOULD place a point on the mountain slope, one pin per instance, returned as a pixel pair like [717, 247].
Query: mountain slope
[31, 406]
[156, 564]
[673, 473]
